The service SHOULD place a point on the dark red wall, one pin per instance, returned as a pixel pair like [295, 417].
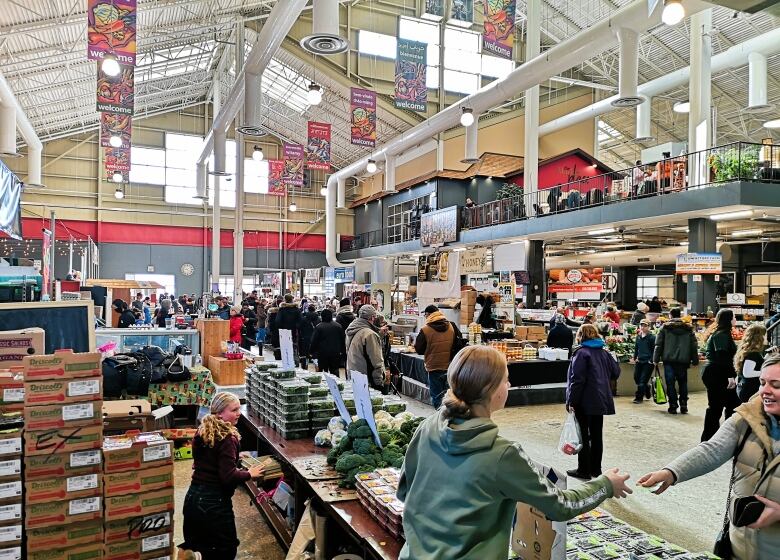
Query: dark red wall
[569, 168]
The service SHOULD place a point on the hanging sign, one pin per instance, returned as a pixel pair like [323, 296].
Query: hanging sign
[318, 146]
[286, 348]
[312, 276]
[410, 69]
[444, 267]
[439, 227]
[114, 124]
[276, 186]
[463, 11]
[474, 261]
[498, 34]
[506, 292]
[433, 9]
[579, 280]
[422, 269]
[344, 274]
[116, 159]
[363, 117]
[293, 165]
[116, 94]
[111, 28]
[403, 284]
[699, 263]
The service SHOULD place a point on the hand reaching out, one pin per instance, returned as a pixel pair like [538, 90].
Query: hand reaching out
[618, 480]
[256, 471]
[664, 477]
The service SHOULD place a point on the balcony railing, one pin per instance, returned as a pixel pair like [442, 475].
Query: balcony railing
[732, 162]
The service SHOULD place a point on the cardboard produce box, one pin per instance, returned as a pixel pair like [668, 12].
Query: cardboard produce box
[135, 505]
[55, 416]
[63, 391]
[11, 553]
[92, 551]
[63, 464]
[11, 514]
[62, 440]
[128, 415]
[62, 512]
[134, 528]
[64, 536]
[11, 491]
[42, 490]
[10, 469]
[16, 345]
[131, 452]
[63, 364]
[11, 391]
[146, 548]
[10, 443]
[11, 535]
[138, 481]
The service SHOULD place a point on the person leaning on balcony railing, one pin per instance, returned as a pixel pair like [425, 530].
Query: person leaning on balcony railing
[638, 178]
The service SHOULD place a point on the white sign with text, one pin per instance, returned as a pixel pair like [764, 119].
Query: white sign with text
[286, 345]
[363, 402]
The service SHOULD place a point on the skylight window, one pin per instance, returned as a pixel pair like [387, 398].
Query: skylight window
[285, 85]
[607, 133]
[376, 44]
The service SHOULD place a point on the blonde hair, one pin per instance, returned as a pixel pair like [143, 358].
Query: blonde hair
[474, 375]
[752, 341]
[212, 428]
[586, 332]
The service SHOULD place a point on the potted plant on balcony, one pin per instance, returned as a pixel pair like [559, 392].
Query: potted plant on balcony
[735, 163]
[511, 197]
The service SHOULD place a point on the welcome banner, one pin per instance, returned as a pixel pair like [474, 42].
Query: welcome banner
[111, 28]
[410, 70]
[363, 117]
[318, 146]
[276, 186]
[116, 159]
[498, 35]
[293, 164]
[114, 124]
[116, 94]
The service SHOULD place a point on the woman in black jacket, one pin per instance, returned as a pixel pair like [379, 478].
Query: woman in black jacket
[126, 315]
[560, 335]
[719, 376]
[328, 344]
[486, 319]
[309, 320]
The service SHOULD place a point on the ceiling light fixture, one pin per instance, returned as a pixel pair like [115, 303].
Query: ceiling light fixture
[682, 107]
[323, 191]
[732, 215]
[602, 231]
[467, 116]
[746, 232]
[683, 243]
[293, 207]
[458, 249]
[371, 166]
[673, 13]
[257, 153]
[314, 95]
[774, 123]
[117, 177]
[115, 141]
[119, 194]
[110, 65]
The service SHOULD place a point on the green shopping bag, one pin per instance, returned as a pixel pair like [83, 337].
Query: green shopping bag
[659, 395]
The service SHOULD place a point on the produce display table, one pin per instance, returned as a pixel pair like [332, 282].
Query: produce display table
[199, 390]
[376, 542]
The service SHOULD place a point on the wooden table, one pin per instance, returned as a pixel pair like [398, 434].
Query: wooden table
[373, 539]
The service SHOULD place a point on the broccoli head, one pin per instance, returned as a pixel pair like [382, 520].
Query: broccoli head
[350, 461]
[410, 426]
[396, 437]
[352, 430]
[384, 437]
[364, 446]
[391, 454]
[333, 456]
[345, 444]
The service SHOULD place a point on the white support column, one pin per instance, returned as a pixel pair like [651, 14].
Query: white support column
[757, 82]
[216, 219]
[238, 230]
[389, 185]
[643, 113]
[700, 95]
[531, 150]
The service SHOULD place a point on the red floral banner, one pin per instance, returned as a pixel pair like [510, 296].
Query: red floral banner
[318, 146]
[363, 117]
[116, 94]
[116, 159]
[293, 164]
[275, 184]
[114, 124]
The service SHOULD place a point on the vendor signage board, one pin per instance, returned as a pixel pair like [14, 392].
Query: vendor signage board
[506, 291]
[474, 261]
[339, 400]
[575, 280]
[344, 274]
[699, 263]
[363, 402]
[403, 283]
[312, 276]
[286, 346]
[439, 227]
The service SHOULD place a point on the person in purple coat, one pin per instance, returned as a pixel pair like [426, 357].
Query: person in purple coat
[589, 396]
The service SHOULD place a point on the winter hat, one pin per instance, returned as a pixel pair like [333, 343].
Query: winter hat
[641, 306]
[367, 312]
[559, 319]
[236, 309]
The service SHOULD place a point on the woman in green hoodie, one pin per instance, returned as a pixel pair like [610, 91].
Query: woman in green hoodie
[461, 481]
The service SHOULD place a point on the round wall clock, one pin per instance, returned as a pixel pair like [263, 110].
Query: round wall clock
[187, 269]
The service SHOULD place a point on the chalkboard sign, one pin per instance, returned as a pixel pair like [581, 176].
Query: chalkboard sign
[68, 324]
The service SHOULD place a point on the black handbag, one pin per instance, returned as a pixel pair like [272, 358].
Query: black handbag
[139, 376]
[722, 547]
[115, 374]
[175, 370]
[156, 357]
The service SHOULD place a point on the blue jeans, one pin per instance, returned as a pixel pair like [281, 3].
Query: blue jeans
[642, 373]
[678, 373]
[437, 386]
[260, 335]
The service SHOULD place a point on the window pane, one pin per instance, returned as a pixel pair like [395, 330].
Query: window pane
[227, 194]
[181, 195]
[147, 156]
[432, 77]
[255, 176]
[495, 67]
[418, 30]
[147, 174]
[461, 40]
[183, 142]
[180, 177]
[460, 82]
[376, 44]
[465, 61]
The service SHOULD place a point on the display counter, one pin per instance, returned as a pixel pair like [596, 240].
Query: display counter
[130, 340]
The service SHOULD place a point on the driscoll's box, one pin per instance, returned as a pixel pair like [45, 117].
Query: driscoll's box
[63, 464]
[11, 391]
[16, 345]
[64, 536]
[146, 548]
[62, 512]
[44, 490]
[63, 364]
[10, 443]
[61, 440]
[62, 391]
[85, 552]
[11, 553]
[135, 505]
[138, 481]
[10, 469]
[63, 415]
[132, 452]
[134, 528]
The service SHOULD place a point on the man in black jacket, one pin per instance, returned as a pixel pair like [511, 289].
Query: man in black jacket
[345, 314]
[328, 344]
[289, 318]
[677, 348]
[560, 335]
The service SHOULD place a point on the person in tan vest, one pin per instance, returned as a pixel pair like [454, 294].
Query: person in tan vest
[435, 342]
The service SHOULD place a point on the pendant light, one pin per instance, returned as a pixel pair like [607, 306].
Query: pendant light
[110, 65]
[324, 191]
[117, 177]
[314, 95]
[119, 193]
[257, 154]
[371, 166]
[467, 117]
[293, 206]
[115, 141]
[673, 13]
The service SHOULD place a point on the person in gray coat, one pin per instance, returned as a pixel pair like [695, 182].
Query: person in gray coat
[364, 348]
[751, 437]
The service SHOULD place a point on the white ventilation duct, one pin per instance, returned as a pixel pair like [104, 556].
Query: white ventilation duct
[341, 193]
[638, 257]
[628, 74]
[472, 135]
[734, 57]
[389, 185]
[8, 131]
[252, 98]
[34, 146]
[325, 38]
[757, 83]
[643, 112]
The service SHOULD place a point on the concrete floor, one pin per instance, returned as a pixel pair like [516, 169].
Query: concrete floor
[638, 439]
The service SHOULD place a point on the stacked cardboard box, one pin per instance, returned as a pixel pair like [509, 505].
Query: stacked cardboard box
[15, 345]
[468, 303]
[63, 482]
[11, 509]
[138, 496]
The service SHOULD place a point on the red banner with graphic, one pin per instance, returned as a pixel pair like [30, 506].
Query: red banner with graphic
[293, 164]
[111, 28]
[582, 280]
[498, 34]
[318, 146]
[116, 94]
[363, 117]
[116, 159]
[276, 186]
[115, 125]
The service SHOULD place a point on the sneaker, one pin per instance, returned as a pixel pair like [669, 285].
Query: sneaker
[672, 410]
[683, 410]
[637, 401]
[574, 473]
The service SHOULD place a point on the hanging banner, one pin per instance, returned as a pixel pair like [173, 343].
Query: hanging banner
[439, 227]
[434, 9]
[312, 276]
[344, 274]
[363, 117]
[116, 94]
[111, 28]
[114, 124]
[463, 11]
[410, 65]
[474, 261]
[46, 262]
[577, 280]
[318, 146]
[498, 34]
[10, 203]
[293, 165]
[116, 159]
[444, 267]
[276, 186]
[699, 263]
[422, 269]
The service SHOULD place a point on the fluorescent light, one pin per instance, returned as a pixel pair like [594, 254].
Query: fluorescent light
[746, 232]
[257, 153]
[371, 166]
[732, 215]
[774, 123]
[682, 107]
[612, 239]
[683, 243]
[602, 231]
[110, 65]
[314, 95]
[673, 12]
[458, 249]
[467, 117]
[115, 141]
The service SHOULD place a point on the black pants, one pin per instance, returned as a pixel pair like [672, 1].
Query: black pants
[209, 524]
[592, 430]
[329, 364]
[721, 401]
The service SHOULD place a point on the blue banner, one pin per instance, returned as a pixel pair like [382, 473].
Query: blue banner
[10, 203]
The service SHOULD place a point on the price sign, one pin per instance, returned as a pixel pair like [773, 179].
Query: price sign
[363, 402]
[736, 299]
[336, 394]
[286, 346]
